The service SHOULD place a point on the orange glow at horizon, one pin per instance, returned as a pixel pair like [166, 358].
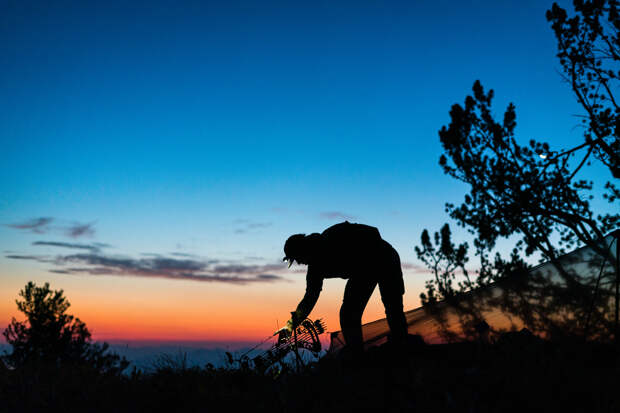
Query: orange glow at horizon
[148, 309]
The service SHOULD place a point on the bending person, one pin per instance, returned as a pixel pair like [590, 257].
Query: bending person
[358, 253]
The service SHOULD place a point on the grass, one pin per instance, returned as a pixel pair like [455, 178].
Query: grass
[516, 374]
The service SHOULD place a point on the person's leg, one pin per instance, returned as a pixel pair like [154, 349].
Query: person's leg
[356, 295]
[392, 288]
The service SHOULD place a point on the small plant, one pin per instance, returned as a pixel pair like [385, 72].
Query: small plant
[273, 361]
[172, 362]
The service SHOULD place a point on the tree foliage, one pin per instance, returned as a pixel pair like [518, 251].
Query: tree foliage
[50, 336]
[532, 192]
[589, 52]
[512, 189]
[444, 259]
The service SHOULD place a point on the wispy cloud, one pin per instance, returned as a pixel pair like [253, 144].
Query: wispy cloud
[77, 230]
[182, 254]
[41, 225]
[247, 269]
[35, 225]
[417, 268]
[245, 225]
[94, 263]
[38, 258]
[91, 247]
[336, 215]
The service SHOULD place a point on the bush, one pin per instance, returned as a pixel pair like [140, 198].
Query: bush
[52, 338]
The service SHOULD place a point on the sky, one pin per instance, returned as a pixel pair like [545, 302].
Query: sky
[156, 155]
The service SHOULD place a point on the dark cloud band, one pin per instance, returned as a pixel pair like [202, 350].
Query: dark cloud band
[96, 264]
[90, 247]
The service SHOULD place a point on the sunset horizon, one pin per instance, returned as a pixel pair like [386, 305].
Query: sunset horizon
[157, 158]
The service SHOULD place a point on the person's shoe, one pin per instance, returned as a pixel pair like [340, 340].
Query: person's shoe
[351, 356]
[408, 343]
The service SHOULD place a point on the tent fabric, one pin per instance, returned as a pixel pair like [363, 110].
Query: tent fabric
[574, 296]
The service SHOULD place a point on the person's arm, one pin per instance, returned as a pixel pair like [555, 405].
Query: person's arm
[314, 285]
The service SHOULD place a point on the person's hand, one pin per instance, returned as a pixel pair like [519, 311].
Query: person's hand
[286, 330]
[284, 334]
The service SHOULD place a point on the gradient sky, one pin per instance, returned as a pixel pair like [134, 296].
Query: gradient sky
[156, 155]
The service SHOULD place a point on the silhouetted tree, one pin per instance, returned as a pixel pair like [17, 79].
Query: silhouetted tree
[533, 192]
[513, 191]
[444, 259]
[589, 52]
[50, 336]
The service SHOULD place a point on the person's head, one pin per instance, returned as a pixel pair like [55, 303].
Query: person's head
[300, 248]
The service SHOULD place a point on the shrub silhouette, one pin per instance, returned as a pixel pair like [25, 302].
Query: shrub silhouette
[51, 337]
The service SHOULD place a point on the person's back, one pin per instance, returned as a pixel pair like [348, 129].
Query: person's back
[347, 248]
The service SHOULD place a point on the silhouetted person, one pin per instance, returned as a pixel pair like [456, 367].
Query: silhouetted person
[356, 252]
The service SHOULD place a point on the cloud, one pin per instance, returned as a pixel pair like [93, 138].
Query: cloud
[178, 267]
[146, 265]
[416, 268]
[268, 277]
[94, 263]
[182, 254]
[36, 258]
[336, 215]
[246, 225]
[41, 225]
[35, 225]
[92, 247]
[247, 269]
[78, 230]
[24, 257]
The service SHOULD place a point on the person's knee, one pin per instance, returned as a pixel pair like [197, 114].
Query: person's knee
[349, 315]
[394, 307]
[392, 288]
[395, 313]
[393, 303]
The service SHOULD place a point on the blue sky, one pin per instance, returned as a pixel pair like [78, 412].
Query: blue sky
[218, 129]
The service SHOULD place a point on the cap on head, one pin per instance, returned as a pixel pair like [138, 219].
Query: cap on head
[294, 247]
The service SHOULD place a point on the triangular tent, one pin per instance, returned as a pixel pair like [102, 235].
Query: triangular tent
[577, 295]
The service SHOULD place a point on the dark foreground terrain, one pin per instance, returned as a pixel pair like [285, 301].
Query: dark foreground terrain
[517, 373]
